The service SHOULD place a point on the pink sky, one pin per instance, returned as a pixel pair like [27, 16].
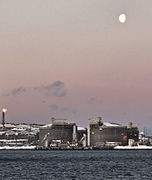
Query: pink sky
[73, 59]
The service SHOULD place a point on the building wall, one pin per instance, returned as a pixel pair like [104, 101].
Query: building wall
[102, 134]
[61, 132]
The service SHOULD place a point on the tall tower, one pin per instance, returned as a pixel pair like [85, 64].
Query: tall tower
[3, 117]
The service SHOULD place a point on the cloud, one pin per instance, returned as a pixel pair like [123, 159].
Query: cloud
[55, 107]
[91, 100]
[64, 109]
[15, 92]
[56, 89]
[75, 111]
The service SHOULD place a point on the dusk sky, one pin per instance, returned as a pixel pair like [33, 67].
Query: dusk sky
[73, 59]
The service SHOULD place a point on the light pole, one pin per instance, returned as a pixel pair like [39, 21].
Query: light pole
[4, 110]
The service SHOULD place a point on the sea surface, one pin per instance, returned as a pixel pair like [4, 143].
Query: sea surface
[85, 165]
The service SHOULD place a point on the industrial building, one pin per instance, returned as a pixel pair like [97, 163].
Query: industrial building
[100, 134]
[59, 133]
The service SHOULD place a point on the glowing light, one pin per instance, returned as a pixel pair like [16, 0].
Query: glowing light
[122, 18]
[4, 110]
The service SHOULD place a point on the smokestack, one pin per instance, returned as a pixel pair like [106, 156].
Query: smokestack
[3, 117]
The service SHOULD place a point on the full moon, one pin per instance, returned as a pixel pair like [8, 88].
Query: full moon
[122, 18]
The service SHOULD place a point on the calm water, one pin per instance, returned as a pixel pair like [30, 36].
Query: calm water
[76, 165]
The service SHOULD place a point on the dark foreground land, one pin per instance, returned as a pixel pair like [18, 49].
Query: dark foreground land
[89, 164]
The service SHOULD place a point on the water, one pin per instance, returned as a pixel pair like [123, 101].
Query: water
[75, 165]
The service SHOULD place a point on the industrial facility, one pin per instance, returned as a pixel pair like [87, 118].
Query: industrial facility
[61, 134]
[98, 134]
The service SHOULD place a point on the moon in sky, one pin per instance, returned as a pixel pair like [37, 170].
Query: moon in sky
[122, 18]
